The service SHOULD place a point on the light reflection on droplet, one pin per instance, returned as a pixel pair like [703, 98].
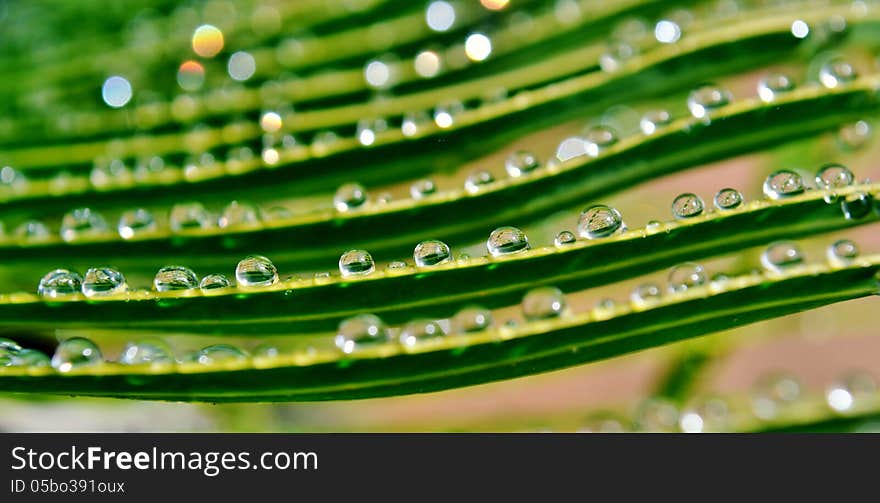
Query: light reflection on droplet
[241, 66]
[207, 41]
[116, 91]
[440, 15]
[190, 76]
[477, 47]
[427, 64]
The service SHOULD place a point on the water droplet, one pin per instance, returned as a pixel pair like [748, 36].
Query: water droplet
[710, 414]
[834, 176]
[544, 302]
[847, 393]
[654, 120]
[412, 123]
[440, 15]
[185, 216]
[30, 358]
[571, 148]
[646, 293]
[667, 32]
[213, 282]
[116, 91]
[32, 230]
[842, 251]
[477, 47]
[774, 85]
[854, 136]
[598, 138]
[783, 183]
[728, 199]
[239, 214]
[146, 352]
[8, 345]
[471, 319]
[773, 393]
[564, 238]
[476, 180]
[76, 352]
[657, 415]
[856, 206]
[397, 265]
[241, 66]
[59, 283]
[134, 222]
[781, 255]
[356, 263]
[506, 240]
[617, 54]
[350, 196]
[836, 72]
[520, 163]
[800, 29]
[100, 281]
[686, 275]
[175, 277]
[82, 222]
[707, 98]
[600, 221]
[445, 114]
[360, 331]
[417, 331]
[219, 354]
[266, 351]
[431, 252]
[422, 188]
[256, 270]
[687, 206]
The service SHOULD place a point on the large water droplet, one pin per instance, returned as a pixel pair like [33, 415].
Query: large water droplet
[836, 72]
[239, 214]
[418, 331]
[773, 85]
[476, 180]
[686, 275]
[30, 358]
[773, 393]
[185, 216]
[213, 282]
[82, 222]
[175, 277]
[431, 252]
[687, 205]
[849, 392]
[544, 302]
[422, 188]
[781, 255]
[564, 238]
[471, 319]
[146, 352]
[707, 98]
[506, 240]
[255, 270]
[350, 196]
[520, 163]
[600, 221]
[135, 222]
[59, 283]
[728, 199]
[783, 183]
[360, 331]
[76, 352]
[842, 251]
[219, 354]
[834, 176]
[356, 263]
[100, 281]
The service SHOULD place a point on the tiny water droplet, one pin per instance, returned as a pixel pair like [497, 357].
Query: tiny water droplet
[728, 199]
[360, 331]
[506, 240]
[185, 216]
[349, 197]
[75, 353]
[654, 120]
[542, 303]
[32, 230]
[707, 98]
[471, 319]
[82, 222]
[146, 352]
[646, 293]
[255, 270]
[418, 331]
[422, 188]
[476, 180]
[600, 221]
[687, 206]
[213, 282]
[220, 353]
[599, 138]
[397, 265]
[773, 393]
[783, 183]
[101, 281]
[431, 252]
[175, 277]
[239, 214]
[445, 115]
[657, 415]
[850, 391]
[134, 222]
[710, 414]
[266, 351]
[564, 238]
[685, 276]
[520, 163]
[834, 176]
[781, 255]
[842, 251]
[774, 85]
[59, 283]
[836, 72]
[356, 263]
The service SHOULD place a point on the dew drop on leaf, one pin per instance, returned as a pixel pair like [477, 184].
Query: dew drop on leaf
[350, 196]
[836, 72]
[76, 352]
[220, 353]
[422, 188]
[703, 100]
[600, 221]
[773, 393]
[30, 358]
[356, 263]
[59, 283]
[850, 391]
[842, 251]
[82, 222]
[431, 252]
[175, 277]
[213, 281]
[135, 222]
[418, 331]
[506, 240]
[645, 293]
[520, 163]
[687, 206]
[686, 275]
[359, 331]
[774, 85]
[544, 302]
[146, 351]
[781, 255]
[783, 183]
[728, 199]
[255, 270]
[471, 319]
[834, 176]
[476, 180]
[654, 120]
[185, 216]
[564, 238]
[100, 281]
